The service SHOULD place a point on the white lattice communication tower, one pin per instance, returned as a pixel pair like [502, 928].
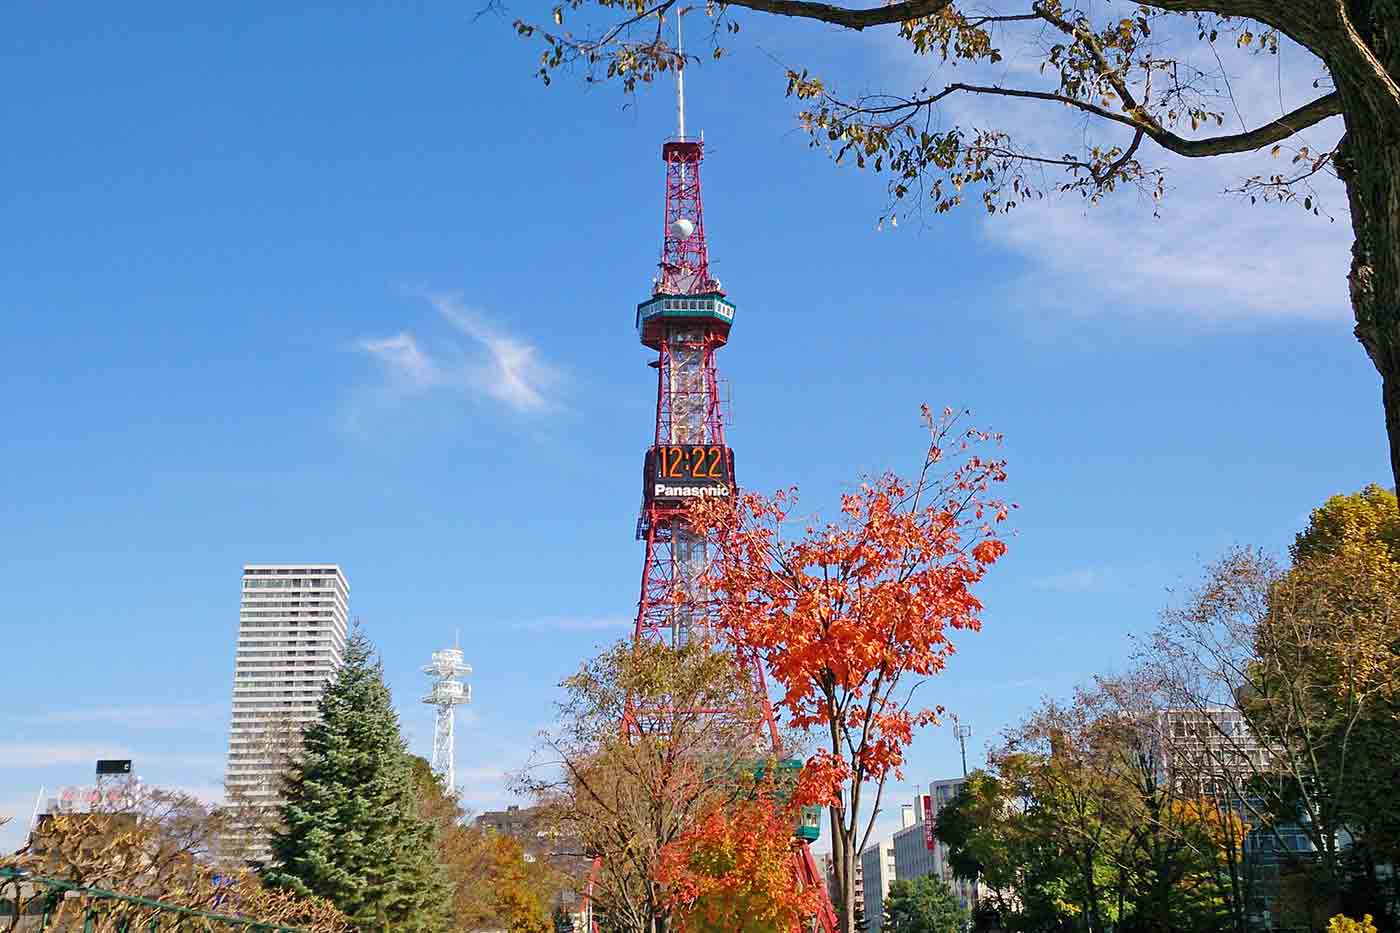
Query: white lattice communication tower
[447, 694]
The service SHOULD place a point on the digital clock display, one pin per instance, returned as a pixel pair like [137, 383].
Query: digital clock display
[675, 472]
[691, 462]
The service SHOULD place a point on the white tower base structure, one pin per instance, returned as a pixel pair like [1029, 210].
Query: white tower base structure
[447, 694]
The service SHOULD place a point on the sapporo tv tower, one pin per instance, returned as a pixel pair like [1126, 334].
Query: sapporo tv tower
[685, 321]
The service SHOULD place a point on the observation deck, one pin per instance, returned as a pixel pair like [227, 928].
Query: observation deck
[710, 310]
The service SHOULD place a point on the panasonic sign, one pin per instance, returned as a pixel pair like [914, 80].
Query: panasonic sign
[664, 491]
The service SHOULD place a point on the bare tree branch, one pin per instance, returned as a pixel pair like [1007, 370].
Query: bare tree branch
[846, 16]
[853, 18]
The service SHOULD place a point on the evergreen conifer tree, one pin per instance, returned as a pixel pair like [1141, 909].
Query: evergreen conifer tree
[352, 831]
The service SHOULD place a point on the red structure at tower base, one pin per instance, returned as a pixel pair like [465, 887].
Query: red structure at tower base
[686, 320]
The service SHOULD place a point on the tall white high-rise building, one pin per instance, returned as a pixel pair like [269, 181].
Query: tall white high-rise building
[293, 621]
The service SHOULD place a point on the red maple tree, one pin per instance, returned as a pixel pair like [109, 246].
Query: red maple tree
[732, 872]
[851, 615]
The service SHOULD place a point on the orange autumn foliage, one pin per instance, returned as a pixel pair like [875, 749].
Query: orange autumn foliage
[732, 872]
[847, 612]
[1221, 829]
[849, 615]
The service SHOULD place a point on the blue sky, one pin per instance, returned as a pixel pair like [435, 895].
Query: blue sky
[345, 284]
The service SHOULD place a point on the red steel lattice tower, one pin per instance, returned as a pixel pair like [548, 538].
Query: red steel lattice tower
[685, 321]
[687, 318]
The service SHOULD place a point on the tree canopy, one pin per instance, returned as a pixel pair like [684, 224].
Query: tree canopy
[922, 905]
[1143, 80]
[1306, 658]
[636, 760]
[148, 842]
[353, 834]
[851, 615]
[494, 884]
[732, 872]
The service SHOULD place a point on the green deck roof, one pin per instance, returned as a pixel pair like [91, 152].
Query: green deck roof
[710, 305]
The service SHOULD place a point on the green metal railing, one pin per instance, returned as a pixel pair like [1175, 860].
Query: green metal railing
[50, 897]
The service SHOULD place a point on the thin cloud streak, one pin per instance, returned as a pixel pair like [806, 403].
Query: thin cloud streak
[19, 756]
[22, 756]
[172, 716]
[515, 374]
[481, 774]
[401, 356]
[1084, 580]
[19, 807]
[1210, 257]
[493, 365]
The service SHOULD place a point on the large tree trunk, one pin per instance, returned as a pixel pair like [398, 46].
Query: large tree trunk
[1369, 164]
[843, 870]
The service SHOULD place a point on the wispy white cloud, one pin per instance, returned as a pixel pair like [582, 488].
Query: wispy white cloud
[171, 716]
[476, 800]
[1082, 580]
[25, 755]
[19, 756]
[212, 794]
[514, 372]
[484, 781]
[404, 361]
[1209, 256]
[492, 365]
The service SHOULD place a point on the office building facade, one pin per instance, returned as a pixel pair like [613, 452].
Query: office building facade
[293, 622]
[919, 854]
[877, 869]
[940, 794]
[913, 858]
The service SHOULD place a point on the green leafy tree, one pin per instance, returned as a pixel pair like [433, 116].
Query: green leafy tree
[1090, 823]
[922, 905]
[1366, 521]
[982, 830]
[1308, 656]
[1329, 653]
[1000, 833]
[1058, 755]
[352, 832]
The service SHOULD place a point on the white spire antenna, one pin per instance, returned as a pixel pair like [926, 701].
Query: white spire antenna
[447, 694]
[680, 77]
[38, 802]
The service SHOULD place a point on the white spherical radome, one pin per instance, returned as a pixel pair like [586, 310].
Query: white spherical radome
[682, 227]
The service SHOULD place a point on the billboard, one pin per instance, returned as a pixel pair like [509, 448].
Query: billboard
[928, 821]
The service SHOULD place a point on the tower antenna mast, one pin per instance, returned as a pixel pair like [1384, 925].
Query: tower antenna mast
[962, 733]
[680, 77]
[447, 694]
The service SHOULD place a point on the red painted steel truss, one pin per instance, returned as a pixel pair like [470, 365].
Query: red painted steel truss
[685, 259]
[673, 606]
